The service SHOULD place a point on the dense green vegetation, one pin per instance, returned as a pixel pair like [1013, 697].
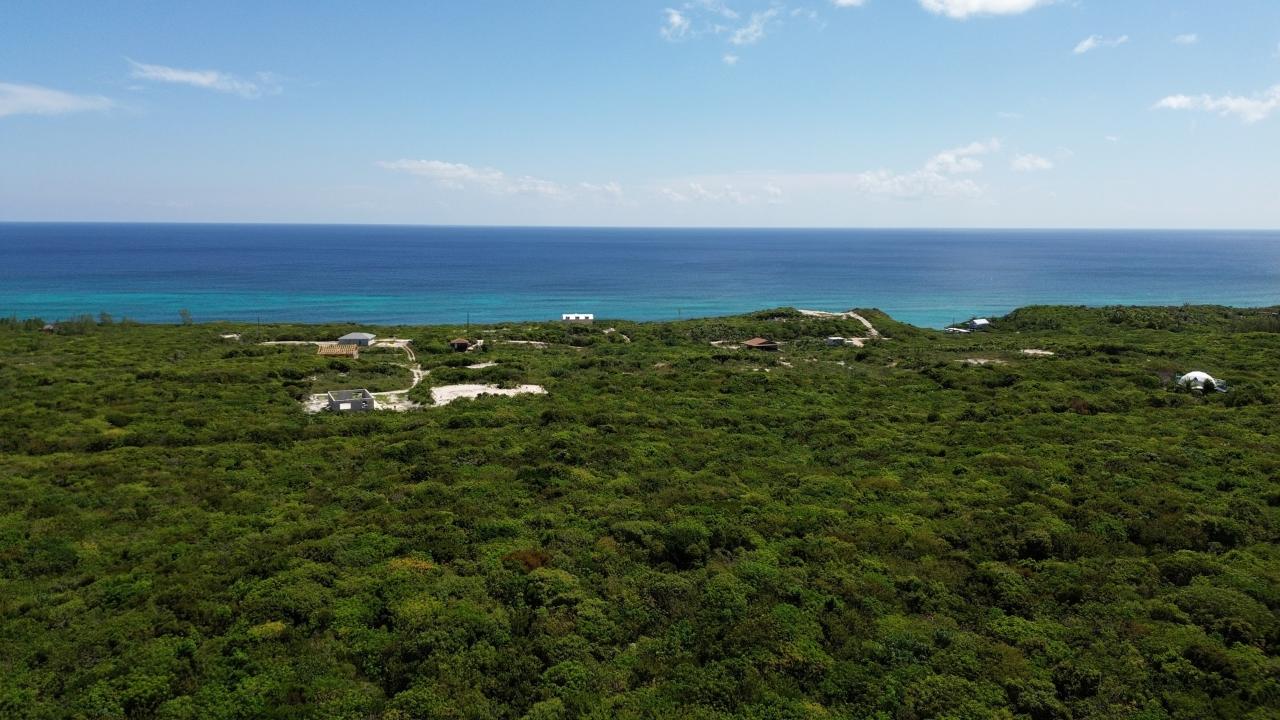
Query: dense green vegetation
[675, 529]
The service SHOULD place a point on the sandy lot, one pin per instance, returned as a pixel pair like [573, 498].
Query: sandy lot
[445, 394]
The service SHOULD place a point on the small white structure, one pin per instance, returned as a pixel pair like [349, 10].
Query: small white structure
[979, 324]
[584, 318]
[1197, 380]
[836, 341]
[958, 331]
[363, 339]
[351, 400]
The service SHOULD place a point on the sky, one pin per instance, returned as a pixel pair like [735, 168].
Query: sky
[772, 113]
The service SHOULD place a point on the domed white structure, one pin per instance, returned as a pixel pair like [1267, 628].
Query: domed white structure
[1197, 380]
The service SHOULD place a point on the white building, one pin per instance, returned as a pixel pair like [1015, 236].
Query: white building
[585, 318]
[1197, 380]
[362, 339]
[979, 324]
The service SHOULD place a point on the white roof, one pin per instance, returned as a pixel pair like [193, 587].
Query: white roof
[577, 316]
[980, 321]
[1196, 377]
[358, 336]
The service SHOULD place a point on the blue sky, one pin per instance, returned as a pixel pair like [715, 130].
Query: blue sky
[896, 113]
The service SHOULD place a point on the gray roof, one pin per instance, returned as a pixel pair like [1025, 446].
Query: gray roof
[358, 336]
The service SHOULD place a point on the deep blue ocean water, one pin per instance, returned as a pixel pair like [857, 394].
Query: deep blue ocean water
[393, 274]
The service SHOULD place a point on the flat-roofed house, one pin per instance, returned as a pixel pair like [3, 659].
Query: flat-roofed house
[583, 318]
[351, 400]
[362, 339]
[979, 324]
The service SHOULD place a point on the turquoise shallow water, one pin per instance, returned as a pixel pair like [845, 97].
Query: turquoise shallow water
[388, 274]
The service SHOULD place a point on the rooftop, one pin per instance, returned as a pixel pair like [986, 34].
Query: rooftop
[345, 395]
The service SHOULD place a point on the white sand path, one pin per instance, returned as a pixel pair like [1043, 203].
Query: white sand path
[396, 400]
[871, 331]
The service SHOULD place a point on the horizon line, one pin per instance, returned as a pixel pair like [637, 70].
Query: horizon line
[875, 228]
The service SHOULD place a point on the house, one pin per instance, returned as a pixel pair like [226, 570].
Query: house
[351, 400]
[350, 351]
[1197, 380]
[460, 344]
[48, 328]
[835, 341]
[362, 339]
[583, 318]
[760, 343]
[979, 324]
[958, 331]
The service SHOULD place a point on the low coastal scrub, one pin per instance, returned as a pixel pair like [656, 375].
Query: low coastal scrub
[926, 526]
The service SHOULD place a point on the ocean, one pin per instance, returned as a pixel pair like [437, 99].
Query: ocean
[401, 274]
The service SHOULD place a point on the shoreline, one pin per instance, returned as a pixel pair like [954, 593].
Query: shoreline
[850, 313]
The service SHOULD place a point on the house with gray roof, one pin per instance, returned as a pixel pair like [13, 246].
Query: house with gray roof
[363, 339]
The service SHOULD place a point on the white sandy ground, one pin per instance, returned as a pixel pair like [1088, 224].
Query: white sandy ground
[984, 361]
[872, 333]
[531, 343]
[398, 400]
[1037, 353]
[445, 394]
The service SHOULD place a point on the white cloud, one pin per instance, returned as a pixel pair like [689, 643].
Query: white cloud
[754, 31]
[35, 100]
[696, 18]
[939, 177]
[961, 160]
[464, 177]
[1186, 39]
[677, 25]
[848, 3]
[1031, 163]
[730, 59]
[611, 190]
[715, 7]
[1097, 41]
[262, 84]
[460, 176]
[946, 174]
[963, 9]
[1249, 109]
[1112, 139]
